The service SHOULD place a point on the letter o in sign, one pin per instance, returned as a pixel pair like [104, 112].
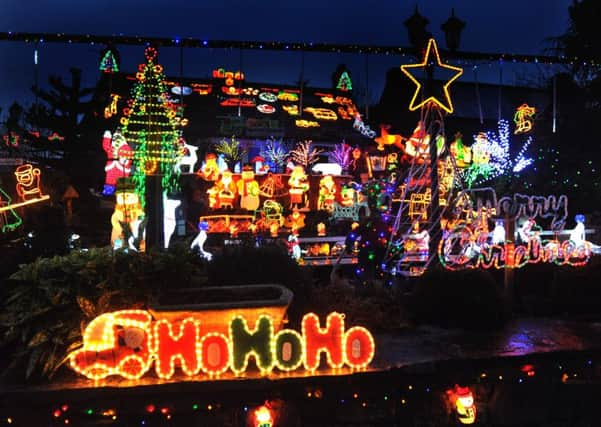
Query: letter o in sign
[359, 347]
[288, 349]
[214, 354]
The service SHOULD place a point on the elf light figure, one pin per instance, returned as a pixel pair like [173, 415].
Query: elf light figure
[127, 219]
[210, 168]
[227, 191]
[28, 182]
[248, 188]
[118, 160]
[327, 194]
[299, 185]
[200, 239]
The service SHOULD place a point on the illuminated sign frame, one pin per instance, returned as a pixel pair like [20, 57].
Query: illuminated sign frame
[128, 342]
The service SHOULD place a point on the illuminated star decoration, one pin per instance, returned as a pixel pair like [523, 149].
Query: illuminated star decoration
[445, 104]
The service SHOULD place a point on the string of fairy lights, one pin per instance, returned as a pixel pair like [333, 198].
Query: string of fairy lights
[397, 397]
[189, 42]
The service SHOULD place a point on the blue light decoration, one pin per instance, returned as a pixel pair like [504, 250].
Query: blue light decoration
[491, 156]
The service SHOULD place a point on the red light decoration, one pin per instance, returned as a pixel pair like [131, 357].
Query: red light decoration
[28, 183]
[11, 139]
[263, 417]
[388, 139]
[359, 347]
[202, 89]
[235, 102]
[528, 370]
[266, 108]
[328, 340]
[214, 353]
[180, 347]
[463, 400]
[231, 90]
[126, 343]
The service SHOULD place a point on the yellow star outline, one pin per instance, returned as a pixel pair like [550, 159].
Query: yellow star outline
[446, 105]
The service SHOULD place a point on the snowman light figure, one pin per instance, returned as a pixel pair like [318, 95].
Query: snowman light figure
[498, 234]
[577, 235]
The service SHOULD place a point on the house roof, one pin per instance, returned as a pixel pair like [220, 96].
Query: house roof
[227, 105]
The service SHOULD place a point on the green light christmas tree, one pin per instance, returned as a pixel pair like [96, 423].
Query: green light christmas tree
[150, 128]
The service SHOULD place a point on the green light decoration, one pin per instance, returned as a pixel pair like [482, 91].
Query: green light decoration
[344, 82]
[149, 126]
[9, 220]
[109, 62]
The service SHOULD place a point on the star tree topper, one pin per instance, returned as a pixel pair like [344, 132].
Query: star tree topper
[446, 103]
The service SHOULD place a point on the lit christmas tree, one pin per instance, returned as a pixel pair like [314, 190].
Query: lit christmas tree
[109, 61]
[149, 126]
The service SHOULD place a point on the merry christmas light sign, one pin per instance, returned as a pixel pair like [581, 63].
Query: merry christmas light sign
[128, 343]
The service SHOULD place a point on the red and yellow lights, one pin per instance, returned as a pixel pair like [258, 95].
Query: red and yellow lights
[523, 118]
[263, 417]
[127, 342]
[463, 400]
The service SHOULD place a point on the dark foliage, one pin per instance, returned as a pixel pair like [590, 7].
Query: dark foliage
[47, 304]
[247, 265]
[468, 299]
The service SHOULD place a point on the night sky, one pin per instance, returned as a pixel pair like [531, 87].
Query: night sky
[512, 26]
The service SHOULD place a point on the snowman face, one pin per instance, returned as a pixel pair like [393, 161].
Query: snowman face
[466, 401]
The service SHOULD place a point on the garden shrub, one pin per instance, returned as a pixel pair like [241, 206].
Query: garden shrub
[268, 264]
[46, 304]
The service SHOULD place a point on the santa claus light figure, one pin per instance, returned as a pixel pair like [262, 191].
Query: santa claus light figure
[119, 159]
